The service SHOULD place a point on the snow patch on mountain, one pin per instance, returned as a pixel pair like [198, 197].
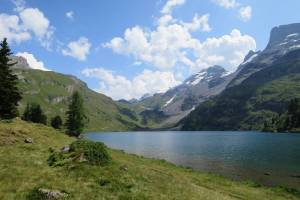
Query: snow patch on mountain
[170, 101]
[250, 59]
[292, 35]
[199, 77]
[295, 47]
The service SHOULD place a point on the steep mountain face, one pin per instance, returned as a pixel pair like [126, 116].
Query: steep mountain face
[53, 90]
[177, 102]
[263, 85]
[196, 89]
[19, 62]
[283, 39]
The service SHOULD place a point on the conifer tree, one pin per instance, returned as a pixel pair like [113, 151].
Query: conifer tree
[76, 118]
[34, 113]
[9, 93]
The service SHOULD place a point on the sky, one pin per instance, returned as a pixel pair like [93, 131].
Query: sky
[128, 48]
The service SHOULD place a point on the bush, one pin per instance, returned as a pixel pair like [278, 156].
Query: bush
[94, 152]
[58, 159]
[56, 122]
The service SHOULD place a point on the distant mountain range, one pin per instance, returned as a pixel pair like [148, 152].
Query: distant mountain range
[178, 102]
[261, 88]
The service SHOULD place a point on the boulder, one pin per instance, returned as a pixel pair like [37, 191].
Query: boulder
[65, 149]
[28, 140]
[51, 194]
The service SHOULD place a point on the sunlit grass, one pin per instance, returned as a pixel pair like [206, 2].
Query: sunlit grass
[24, 167]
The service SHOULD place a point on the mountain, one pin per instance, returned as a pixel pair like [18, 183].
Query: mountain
[53, 90]
[19, 62]
[283, 39]
[262, 87]
[166, 109]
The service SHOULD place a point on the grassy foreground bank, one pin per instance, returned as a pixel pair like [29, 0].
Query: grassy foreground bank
[24, 167]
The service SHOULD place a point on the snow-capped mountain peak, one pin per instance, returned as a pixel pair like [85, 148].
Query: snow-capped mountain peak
[206, 75]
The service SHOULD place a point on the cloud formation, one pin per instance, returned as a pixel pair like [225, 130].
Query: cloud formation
[119, 87]
[227, 3]
[172, 46]
[173, 43]
[32, 61]
[228, 51]
[28, 23]
[78, 49]
[70, 15]
[245, 13]
[168, 7]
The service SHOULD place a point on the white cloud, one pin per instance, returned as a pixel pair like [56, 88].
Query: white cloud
[119, 87]
[172, 44]
[78, 49]
[70, 15]
[199, 23]
[33, 19]
[245, 13]
[165, 46]
[32, 61]
[20, 5]
[167, 9]
[227, 3]
[28, 23]
[228, 51]
[11, 28]
[165, 20]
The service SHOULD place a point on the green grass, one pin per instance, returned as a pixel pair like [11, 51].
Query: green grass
[24, 168]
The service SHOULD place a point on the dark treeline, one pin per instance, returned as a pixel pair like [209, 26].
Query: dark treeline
[286, 122]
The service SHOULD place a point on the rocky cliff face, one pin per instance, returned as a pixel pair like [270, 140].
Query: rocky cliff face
[20, 62]
[283, 39]
[196, 89]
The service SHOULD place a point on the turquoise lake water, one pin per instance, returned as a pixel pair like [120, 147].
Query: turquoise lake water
[266, 158]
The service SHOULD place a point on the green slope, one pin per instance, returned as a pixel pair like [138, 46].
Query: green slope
[248, 105]
[53, 90]
[24, 167]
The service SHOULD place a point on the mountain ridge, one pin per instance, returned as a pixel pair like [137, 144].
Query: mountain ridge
[261, 89]
[52, 91]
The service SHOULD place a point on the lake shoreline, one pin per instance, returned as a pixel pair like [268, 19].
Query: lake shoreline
[266, 158]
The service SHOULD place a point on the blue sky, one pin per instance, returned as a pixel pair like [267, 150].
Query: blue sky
[125, 49]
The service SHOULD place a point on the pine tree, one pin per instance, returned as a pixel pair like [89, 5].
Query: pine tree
[34, 113]
[76, 118]
[9, 93]
[56, 122]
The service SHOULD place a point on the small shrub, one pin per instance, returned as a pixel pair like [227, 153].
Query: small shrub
[58, 159]
[56, 122]
[94, 152]
[103, 182]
